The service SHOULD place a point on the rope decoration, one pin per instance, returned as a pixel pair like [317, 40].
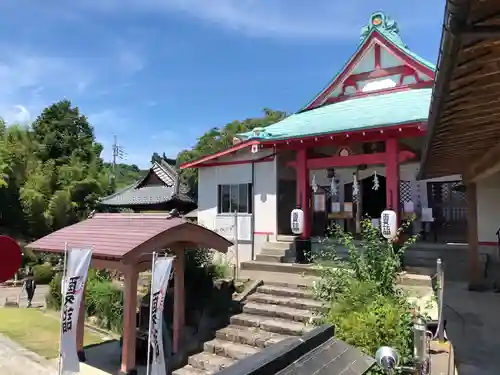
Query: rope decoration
[376, 183]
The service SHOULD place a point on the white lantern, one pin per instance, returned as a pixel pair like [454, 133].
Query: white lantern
[254, 149]
[297, 221]
[388, 224]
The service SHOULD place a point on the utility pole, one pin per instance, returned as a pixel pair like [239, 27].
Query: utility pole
[117, 154]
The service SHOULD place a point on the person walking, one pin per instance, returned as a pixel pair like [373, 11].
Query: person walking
[29, 285]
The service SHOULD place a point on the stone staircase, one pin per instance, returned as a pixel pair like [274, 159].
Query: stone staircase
[271, 314]
[282, 251]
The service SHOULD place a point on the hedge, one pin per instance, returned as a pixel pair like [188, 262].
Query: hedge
[43, 273]
[103, 300]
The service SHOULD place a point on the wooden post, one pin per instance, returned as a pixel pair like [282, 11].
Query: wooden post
[179, 306]
[392, 175]
[303, 190]
[472, 235]
[128, 365]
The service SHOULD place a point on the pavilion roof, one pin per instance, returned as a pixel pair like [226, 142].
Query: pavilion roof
[123, 236]
[463, 121]
[377, 111]
[141, 193]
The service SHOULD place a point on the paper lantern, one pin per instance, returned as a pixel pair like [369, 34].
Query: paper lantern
[297, 221]
[388, 224]
[254, 149]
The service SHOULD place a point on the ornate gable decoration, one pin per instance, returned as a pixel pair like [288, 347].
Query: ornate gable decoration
[384, 23]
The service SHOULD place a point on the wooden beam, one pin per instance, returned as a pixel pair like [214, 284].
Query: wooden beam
[353, 160]
[480, 31]
[487, 165]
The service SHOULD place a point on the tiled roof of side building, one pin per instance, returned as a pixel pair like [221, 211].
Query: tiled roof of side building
[139, 193]
[367, 112]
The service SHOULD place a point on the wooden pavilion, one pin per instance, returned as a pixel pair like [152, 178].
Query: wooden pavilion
[463, 134]
[125, 242]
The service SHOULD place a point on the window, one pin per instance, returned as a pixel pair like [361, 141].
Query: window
[233, 198]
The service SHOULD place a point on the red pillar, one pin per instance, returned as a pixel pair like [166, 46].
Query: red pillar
[303, 191]
[392, 175]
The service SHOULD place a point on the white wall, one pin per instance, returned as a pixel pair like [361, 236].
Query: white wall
[264, 202]
[265, 192]
[488, 208]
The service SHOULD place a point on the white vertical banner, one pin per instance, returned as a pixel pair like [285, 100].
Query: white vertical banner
[78, 263]
[161, 270]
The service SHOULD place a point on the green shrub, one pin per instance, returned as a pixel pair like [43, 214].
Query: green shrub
[53, 296]
[365, 304]
[104, 300]
[368, 320]
[43, 273]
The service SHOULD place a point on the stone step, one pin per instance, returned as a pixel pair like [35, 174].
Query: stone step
[189, 370]
[249, 336]
[230, 349]
[275, 278]
[293, 302]
[211, 363]
[299, 269]
[280, 252]
[269, 258]
[289, 313]
[285, 238]
[278, 245]
[285, 291]
[275, 325]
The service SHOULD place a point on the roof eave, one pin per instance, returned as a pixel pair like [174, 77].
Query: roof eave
[455, 14]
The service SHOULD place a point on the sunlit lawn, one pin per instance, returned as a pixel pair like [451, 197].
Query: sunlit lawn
[36, 331]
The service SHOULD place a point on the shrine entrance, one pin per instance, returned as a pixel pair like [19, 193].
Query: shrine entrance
[449, 206]
[373, 202]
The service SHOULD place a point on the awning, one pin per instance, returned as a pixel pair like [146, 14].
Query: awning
[129, 236]
[463, 132]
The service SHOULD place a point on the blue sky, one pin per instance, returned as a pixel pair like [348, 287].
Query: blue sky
[158, 73]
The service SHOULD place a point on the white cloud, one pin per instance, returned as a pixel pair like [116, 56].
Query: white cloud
[316, 19]
[17, 114]
[131, 62]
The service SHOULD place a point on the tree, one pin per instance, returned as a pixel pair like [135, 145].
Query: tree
[215, 140]
[62, 132]
[51, 174]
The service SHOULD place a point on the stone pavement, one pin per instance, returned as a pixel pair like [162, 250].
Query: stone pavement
[16, 360]
[473, 329]
[12, 293]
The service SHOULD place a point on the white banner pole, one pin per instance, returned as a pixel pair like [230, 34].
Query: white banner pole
[62, 310]
[236, 247]
[153, 262]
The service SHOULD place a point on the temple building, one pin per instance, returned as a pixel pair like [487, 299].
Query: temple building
[159, 190]
[352, 151]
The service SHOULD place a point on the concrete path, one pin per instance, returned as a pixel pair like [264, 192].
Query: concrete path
[12, 293]
[16, 360]
[473, 329]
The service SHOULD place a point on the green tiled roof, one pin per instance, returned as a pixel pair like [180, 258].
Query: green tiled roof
[355, 114]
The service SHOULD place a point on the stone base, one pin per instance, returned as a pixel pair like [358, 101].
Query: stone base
[129, 372]
[81, 356]
[479, 287]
